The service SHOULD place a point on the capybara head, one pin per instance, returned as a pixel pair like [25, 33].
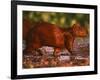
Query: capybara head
[78, 30]
[71, 33]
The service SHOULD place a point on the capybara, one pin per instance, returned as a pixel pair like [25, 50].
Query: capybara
[46, 34]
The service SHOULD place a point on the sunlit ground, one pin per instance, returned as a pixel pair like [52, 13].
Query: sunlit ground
[80, 56]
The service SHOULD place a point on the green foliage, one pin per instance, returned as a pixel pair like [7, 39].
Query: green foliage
[60, 19]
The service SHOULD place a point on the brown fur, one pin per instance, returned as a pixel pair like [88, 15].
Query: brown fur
[27, 25]
[46, 34]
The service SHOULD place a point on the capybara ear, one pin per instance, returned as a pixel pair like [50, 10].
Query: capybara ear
[78, 30]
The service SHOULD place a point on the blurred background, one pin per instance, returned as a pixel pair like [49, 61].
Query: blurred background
[63, 20]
